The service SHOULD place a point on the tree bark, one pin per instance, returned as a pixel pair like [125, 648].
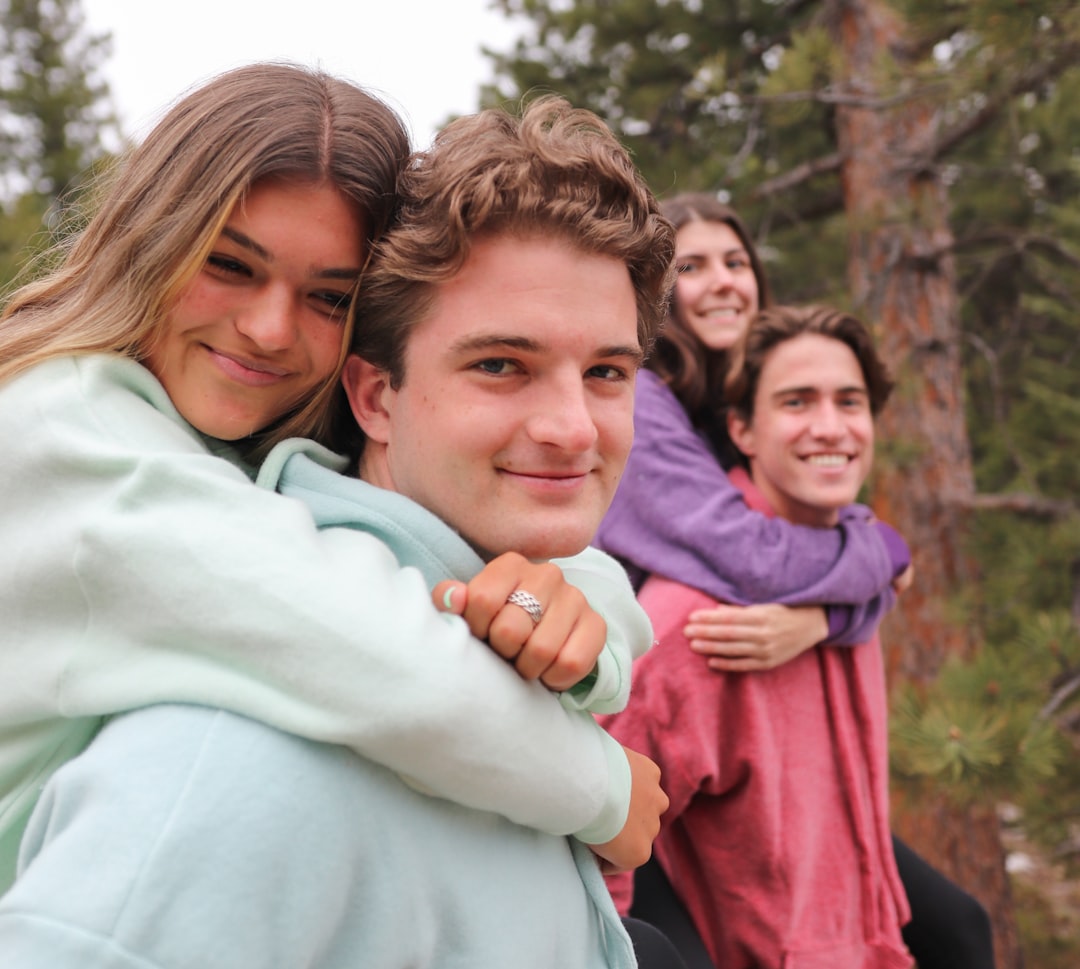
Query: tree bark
[902, 279]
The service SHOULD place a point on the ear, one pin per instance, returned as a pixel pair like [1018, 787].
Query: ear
[368, 389]
[741, 434]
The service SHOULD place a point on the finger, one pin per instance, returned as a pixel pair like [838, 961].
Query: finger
[732, 649]
[544, 640]
[488, 590]
[524, 605]
[578, 655]
[744, 664]
[509, 631]
[722, 633]
[450, 596]
[723, 614]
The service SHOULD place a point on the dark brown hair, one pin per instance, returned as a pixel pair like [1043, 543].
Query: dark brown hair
[777, 325]
[694, 372]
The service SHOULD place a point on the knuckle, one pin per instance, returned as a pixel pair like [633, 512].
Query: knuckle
[574, 665]
[486, 598]
[541, 652]
[507, 634]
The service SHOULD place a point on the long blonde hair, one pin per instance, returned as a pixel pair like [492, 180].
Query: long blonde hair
[162, 208]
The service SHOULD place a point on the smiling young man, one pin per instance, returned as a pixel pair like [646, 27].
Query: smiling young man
[808, 435]
[777, 839]
[486, 409]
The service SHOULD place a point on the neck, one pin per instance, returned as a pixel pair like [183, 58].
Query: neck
[790, 509]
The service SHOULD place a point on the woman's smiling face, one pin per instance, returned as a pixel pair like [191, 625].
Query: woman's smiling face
[258, 331]
[716, 294]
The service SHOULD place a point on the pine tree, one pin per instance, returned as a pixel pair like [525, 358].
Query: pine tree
[53, 116]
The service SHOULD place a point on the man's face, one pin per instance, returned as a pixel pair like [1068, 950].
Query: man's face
[515, 416]
[811, 439]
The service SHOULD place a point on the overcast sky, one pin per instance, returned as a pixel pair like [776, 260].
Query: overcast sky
[423, 56]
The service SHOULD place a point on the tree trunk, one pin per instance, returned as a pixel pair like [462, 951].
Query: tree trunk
[896, 207]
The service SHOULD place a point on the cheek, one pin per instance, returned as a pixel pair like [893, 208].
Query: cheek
[324, 346]
[866, 436]
[615, 429]
[195, 302]
[686, 292]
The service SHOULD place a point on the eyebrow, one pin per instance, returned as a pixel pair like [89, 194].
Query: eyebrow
[246, 242]
[811, 389]
[471, 344]
[695, 254]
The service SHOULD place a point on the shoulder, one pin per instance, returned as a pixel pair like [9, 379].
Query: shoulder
[651, 391]
[658, 412]
[101, 395]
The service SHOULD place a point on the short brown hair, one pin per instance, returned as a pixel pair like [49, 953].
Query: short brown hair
[777, 325]
[555, 170]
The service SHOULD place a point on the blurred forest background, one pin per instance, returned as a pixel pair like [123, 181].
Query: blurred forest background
[917, 162]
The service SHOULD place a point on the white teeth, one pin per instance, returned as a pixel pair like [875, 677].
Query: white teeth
[828, 460]
[721, 312]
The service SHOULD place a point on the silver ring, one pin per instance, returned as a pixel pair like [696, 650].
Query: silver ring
[528, 602]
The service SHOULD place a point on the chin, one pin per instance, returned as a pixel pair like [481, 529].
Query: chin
[548, 548]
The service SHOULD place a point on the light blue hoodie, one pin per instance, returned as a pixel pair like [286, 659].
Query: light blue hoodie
[186, 836]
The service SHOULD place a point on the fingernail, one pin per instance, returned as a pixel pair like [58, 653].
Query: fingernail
[447, 596]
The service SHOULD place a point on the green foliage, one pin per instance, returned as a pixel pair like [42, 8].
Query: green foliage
[53, 118]
[21, 235]
[986, 723]
[52, 102]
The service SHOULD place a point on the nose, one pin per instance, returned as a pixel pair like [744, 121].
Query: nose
[563, 418]
[720, 276]
[269, 319]
[828, 423]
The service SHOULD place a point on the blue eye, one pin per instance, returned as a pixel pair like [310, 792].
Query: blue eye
[496, 366]
[606, 371]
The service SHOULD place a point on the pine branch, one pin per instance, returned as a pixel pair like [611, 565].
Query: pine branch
[797, 175]
[1034, 506]
[1025, 82]
[1060, 697]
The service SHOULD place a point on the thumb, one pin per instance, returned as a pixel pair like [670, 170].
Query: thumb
[450, 596]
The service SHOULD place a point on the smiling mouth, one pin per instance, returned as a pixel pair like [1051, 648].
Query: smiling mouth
[244, 370]
[553, 480]
[828, 460]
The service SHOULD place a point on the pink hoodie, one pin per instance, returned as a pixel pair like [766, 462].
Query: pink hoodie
[777, 838]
